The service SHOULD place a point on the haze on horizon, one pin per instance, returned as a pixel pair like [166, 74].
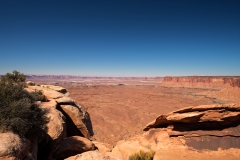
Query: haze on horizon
[120, 37]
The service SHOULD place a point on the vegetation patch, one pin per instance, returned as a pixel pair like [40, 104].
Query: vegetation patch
[19, 111]
[142, 156]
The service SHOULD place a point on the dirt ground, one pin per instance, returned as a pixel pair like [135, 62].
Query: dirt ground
[118, 112]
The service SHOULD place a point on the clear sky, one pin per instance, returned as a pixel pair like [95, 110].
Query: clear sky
[120, 37]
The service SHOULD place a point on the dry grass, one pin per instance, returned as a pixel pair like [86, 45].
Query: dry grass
[142, 156]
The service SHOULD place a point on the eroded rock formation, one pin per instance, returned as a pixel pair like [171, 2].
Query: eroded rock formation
[66, 119]
[215, 126]
[74, 115]
[206, 131]
[201, 82]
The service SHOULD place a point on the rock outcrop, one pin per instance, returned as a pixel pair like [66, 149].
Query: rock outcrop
[66, 118]
[206, 131]
[56, 88]
[216, 126]
[204, 117]
[74, 115]
[201, 82]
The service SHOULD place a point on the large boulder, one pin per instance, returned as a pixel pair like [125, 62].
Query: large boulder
[71, 146]
[94, 155]
[56, 125]
[13, 147]
[74, 115]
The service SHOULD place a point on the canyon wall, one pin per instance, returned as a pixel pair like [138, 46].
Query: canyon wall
[215, 82]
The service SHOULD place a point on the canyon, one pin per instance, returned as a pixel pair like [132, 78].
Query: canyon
[125, 109]
[176, 117]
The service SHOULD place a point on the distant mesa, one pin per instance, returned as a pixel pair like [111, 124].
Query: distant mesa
[216, 82]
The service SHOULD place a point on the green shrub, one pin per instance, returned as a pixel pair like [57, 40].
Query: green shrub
[14, 77]
[142, 156]
[19, 111]
[39, 96]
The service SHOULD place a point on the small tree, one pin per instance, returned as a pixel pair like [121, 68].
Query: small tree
[19, 111]
[14, 77]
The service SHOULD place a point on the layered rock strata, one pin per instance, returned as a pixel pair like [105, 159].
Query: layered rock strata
[216, 82]
[200, 132]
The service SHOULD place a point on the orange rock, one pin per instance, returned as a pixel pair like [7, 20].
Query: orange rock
[56, 125]
[75, 114]
[222, 114]
[71, 146]
[102, 147]
[13, 147]
[201, 82]
[94, 155]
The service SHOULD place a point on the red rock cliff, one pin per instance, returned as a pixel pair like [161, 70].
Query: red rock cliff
[201, 82]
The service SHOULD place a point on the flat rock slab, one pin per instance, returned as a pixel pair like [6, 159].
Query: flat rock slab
[49, 93]
[205, 127]
[56, 88]
[204, 116]
[64, 100]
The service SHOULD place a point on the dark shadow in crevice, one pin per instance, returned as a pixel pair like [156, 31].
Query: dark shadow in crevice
[45, 147]
[207, 126]
[87, 121]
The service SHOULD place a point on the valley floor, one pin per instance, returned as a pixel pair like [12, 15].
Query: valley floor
[119, 112]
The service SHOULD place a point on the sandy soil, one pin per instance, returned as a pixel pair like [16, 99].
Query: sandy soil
[120, 112]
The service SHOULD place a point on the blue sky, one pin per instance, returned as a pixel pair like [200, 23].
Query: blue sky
[120, 37]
